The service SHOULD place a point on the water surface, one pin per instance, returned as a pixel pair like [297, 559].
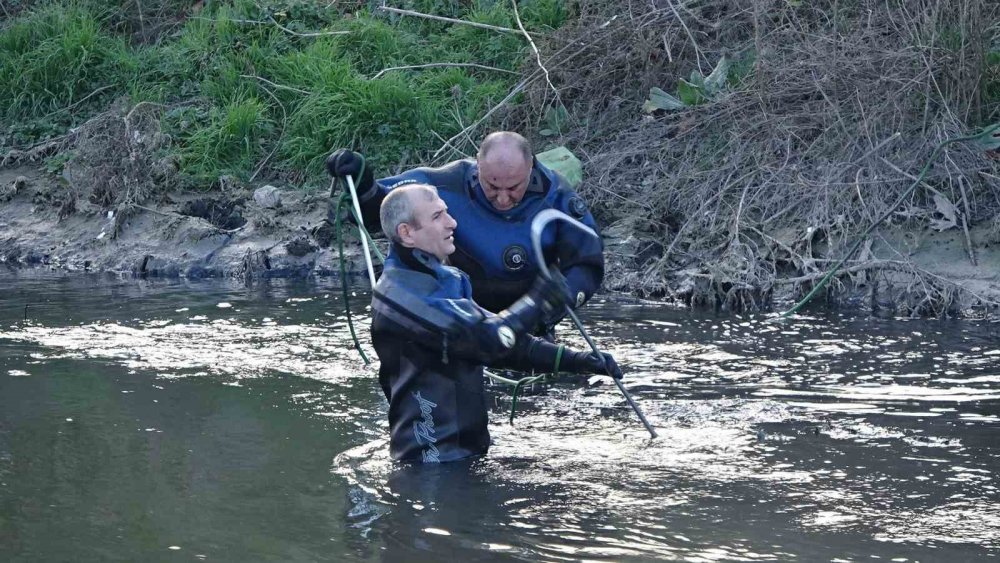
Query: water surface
[170, 420]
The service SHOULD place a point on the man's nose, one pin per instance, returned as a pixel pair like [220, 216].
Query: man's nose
[452, 221]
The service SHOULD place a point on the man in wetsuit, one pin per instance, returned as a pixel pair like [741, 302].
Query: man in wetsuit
[432, 338]
[494, 198]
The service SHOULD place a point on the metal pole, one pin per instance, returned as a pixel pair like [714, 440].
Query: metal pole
[537, 226]
[361, 230]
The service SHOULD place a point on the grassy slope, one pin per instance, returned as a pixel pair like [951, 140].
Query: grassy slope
[240, 93]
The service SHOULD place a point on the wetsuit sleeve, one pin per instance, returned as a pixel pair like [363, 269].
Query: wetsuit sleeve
[453, 326]
[371, 203]
[371, 200]
[580, 255]
[531, 353]
[447, 177]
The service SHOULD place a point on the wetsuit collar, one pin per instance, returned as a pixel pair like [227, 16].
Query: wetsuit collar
[416, 259]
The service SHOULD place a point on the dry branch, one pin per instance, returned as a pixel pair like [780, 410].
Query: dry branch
[828, 111]
[414, 14]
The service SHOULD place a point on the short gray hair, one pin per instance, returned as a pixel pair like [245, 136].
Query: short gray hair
[397, 207]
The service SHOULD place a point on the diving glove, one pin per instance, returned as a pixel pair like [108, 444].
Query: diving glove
[588, 362]
[546, 296]
[343, 163]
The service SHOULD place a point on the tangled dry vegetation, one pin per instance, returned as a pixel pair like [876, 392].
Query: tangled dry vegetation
[831, 109]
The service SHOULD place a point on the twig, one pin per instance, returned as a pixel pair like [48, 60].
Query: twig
[311, 34]
[429, 65]
[142, 20]
[454, 148]
[284, 124]
[877, 147]
[278, 86]
[879, 264]
[697, 51]
[515, 91]
[965, 222]
[182, 216]
[80, 101]
[164, 213]
[128, 116]
[907, 174]
[272, 22]
[538, 56]
[453, 20]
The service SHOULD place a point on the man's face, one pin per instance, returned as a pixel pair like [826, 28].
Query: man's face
[433, 230]
[504, 180]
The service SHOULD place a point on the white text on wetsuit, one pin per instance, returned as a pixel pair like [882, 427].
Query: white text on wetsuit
[423, 430]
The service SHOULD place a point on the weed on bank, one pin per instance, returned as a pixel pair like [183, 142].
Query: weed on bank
[264, 89]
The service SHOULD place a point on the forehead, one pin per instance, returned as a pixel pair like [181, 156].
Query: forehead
[504, 175]
[427, 204]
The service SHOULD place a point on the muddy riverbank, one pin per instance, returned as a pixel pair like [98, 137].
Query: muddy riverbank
[230, 234]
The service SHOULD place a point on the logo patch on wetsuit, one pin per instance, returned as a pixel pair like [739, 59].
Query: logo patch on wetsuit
[577, 207]
[580, 298]
[506, 336]
[515, 257]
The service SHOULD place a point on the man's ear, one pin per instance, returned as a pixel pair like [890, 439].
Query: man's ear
[405, 233]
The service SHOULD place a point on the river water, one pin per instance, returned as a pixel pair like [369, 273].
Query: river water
[188, 421]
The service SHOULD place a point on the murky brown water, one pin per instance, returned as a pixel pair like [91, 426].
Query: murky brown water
[155, 420]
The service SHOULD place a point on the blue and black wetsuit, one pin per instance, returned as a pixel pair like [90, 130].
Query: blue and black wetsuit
[432, 340]
[493, 246]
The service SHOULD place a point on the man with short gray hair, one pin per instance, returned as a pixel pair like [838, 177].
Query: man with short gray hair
[432, 339]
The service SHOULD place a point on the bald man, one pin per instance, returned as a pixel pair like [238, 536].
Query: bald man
[494, 198]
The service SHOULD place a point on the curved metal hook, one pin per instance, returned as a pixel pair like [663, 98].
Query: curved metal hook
[537, 226]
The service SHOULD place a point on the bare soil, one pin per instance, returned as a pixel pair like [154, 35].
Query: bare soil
[181, 234]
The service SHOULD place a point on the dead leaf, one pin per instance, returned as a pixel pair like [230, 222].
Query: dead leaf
[948, 212]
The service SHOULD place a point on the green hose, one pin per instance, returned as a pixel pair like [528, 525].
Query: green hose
[519, 385]
[343, 278]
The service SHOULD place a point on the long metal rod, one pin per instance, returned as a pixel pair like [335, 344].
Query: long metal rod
[361, 230]
[537, 226]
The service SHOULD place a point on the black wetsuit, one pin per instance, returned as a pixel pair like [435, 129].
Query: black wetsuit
[432, 340]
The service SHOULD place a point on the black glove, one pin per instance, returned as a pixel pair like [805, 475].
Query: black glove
[343, 163]
[551, 293]
[545, 296]
[588, 362]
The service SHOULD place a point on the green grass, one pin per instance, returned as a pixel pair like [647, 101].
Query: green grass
[54, 58]
[56, 54]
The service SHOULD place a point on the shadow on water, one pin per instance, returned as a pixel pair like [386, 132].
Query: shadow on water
[152, 419]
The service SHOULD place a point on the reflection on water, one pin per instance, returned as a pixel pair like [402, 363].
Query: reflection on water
[826, 437]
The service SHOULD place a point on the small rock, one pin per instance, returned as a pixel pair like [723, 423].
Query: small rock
[164, 169]
[300, 246]
[227, 184]
[10, 190]
[268, 197]
[324, 234]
